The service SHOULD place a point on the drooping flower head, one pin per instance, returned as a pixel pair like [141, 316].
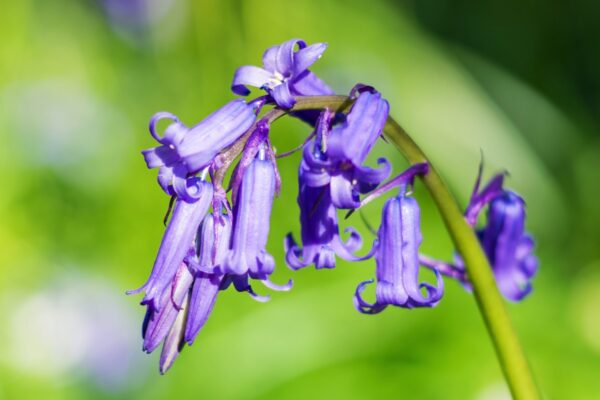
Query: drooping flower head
[284, 74]
[348, 144]
[185, 151]
[205, 252]
[397, 260]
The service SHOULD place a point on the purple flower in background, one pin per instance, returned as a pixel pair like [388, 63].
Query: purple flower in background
[397, 259]
[178, 239]
[507, 246]
[347, 147]
[285, 73]
[185, 151]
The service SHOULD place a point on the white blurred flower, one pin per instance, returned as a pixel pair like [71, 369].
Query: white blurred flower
[76, 327]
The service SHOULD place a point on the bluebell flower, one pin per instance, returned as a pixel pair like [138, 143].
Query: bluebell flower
[397, 259]
[507, 246]
[318, 216]
[159, 320]
[347, 146]
[248, 256]
[178, 238]
[187, 302]
[185, 151]
[212, 246]
[284, 74]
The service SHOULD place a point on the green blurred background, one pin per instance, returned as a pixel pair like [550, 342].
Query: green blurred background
[82, 216]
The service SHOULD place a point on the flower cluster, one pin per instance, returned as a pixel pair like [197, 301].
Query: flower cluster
[215, 239]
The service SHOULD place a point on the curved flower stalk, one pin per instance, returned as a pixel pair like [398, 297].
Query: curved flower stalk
[231, 245]
[397, 259]
[284, 74]
[185, 151]
[177, 240]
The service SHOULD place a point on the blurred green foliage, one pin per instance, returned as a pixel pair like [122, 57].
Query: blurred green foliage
[82, 217]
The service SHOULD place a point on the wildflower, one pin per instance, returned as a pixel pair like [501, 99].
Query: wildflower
[177, 240]
[397, 259]
[347, 147]
[159, 321]
[212, 247]
[508, 247]
[320, 232]
[318, 216]
[285, 73]
[251, 221]
[185, 151]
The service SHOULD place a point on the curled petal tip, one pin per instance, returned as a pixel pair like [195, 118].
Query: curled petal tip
[280, 288]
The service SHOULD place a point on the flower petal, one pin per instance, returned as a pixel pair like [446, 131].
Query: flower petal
[343, 194]
[215, 133]
[173, 342]
[361, 305]
[160, 324]
[178, 238]
[252, 213]
[309, 84]
[202, 300]
[307, 56]
[249, 75]
[282, 96]
[369, 178]
[285, 56]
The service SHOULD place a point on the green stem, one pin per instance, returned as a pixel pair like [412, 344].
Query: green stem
[508, 349]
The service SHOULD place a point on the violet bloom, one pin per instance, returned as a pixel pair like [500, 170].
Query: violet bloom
[185, 151]
[186, 304]
[319, 230]
[347, 147]
[158, 322]
[252, 214]
[397, 259]
[212, 247]
[285, 73]
[508, 247]
[177, 240]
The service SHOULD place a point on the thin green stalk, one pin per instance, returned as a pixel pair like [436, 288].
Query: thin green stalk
[508, 349]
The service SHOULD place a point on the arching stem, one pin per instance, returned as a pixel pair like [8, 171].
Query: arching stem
[491, 305]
